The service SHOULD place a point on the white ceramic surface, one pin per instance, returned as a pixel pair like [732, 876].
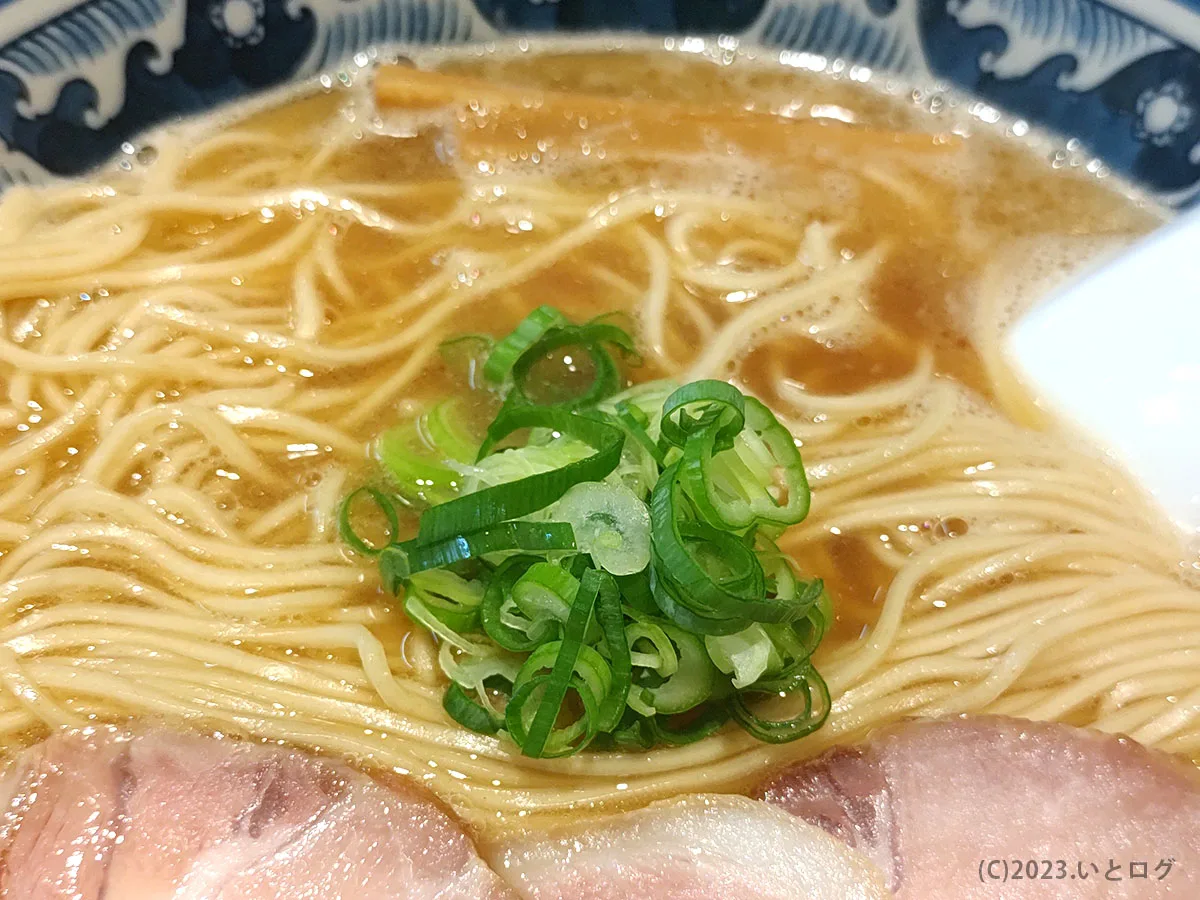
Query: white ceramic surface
[1118, 352]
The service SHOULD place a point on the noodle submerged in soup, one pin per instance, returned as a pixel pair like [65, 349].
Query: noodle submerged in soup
[200, 350]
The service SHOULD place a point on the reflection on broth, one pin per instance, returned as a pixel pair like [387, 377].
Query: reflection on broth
[200, 354]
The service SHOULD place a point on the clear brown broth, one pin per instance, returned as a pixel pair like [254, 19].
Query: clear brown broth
[923, 291]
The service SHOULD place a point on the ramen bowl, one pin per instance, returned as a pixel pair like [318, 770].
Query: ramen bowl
[1122, 78]
[512, 465]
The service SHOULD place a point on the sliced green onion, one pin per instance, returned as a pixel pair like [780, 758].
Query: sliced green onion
[799, 640]
[664, 593]
[717, 575]
[561, 741]
[474, 670]
[493, 505]
[647, 398]
[466, 354]
[418, 611]
[545, 591]
[589, 588]
[541, 333]
[445, 426]
[418, 453]
[346, 530]
[452, 599]
[806, 689]
[543, 453]
[519, 636]
[530, 330]
[538, 337]
[589, 667]
[399, 562]
[633, 732]
[760, 479]
[606, 378]
[662, 658]
[469, 713]
[612, 626]
[746, 655]
[637, 423]
[688, 729]
[533, 737]
[419, 477]
[693, 680]
[635, 591]
[720, 404]
[469, 697]
[611, 523]
[533, 734]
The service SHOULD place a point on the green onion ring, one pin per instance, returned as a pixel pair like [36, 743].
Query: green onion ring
[346, 530]
[719, 397]
[515, 499]
[399, 562]
[528, 332]
[468, 712]
[809, 685]
[557, 683]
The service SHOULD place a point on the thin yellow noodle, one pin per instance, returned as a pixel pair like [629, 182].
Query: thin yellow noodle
[838, 286]
[653, 307]
[1181, 715]
[198, 404]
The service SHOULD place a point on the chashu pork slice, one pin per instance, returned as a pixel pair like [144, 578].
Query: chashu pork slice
[95, 815]
[949, 809]
[703, 847]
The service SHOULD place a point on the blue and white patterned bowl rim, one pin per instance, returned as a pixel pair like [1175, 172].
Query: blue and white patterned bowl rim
[80, 77]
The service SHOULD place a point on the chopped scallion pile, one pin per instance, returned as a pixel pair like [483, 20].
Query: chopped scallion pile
[600, 568]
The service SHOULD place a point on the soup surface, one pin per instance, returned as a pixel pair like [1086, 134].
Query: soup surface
[202, 344]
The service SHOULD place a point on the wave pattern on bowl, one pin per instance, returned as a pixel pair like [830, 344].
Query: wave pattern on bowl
[80, 77]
